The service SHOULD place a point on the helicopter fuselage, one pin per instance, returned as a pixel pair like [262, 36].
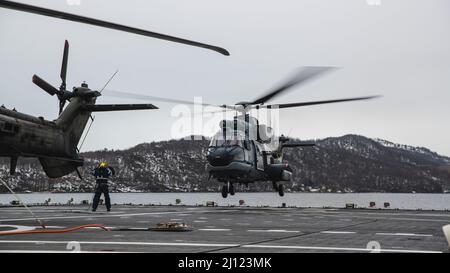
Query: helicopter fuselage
[237, 158]
[246, 163]
[54, 143]
[25, 135]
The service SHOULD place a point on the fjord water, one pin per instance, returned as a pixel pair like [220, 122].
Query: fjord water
[271, 199]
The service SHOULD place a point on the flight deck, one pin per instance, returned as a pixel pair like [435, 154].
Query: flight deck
[225, 230]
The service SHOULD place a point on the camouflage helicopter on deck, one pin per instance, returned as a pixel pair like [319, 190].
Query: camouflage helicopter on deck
[55, 143]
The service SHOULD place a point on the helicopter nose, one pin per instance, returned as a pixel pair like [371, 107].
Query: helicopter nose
[219, 157]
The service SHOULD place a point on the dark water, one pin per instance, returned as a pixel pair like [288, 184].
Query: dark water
[319, 200]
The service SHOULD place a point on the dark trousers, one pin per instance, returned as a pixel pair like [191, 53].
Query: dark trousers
[102, 187]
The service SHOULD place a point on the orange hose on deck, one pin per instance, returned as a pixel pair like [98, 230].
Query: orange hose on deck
[53, 230]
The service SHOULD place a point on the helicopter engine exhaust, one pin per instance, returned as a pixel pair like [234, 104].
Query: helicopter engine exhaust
[279, 172]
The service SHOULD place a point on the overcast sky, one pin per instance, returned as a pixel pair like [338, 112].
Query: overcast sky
[400, 49]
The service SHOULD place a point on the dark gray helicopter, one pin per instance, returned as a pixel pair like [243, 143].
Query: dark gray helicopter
[245, 151]
[55, 142]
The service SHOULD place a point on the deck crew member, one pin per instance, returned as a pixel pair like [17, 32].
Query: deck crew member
[102, 173]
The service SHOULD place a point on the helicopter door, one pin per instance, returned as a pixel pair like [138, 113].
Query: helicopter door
[259, 158]
[250, 152]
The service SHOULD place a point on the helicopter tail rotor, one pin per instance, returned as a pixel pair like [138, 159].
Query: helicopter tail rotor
[62, 94]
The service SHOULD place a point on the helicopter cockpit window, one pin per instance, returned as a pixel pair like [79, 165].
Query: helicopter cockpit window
[226, 142]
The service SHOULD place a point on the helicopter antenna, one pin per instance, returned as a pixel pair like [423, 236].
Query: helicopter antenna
[92, 117]
[110, 79]
[87, 132]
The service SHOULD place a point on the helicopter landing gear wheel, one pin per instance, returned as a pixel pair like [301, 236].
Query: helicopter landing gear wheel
[281, 190]
[225, 191]
[231, 189]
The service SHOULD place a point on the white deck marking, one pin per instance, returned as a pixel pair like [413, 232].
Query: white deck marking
[210, 245]
[119, 243]
[109, 215]
[99, 228]
[420, 219]
[404, 234]
[59, 251]
[376, 216]
[338, 232]
[214, 229]
[15, 228]
[340, 248]
[273, 230]
[390, 213]
[446, 230]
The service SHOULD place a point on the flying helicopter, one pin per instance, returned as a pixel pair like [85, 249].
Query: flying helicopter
[55, 143]
[244, 150]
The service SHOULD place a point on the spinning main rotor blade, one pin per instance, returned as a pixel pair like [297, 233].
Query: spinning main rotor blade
[300, 104]
[304, 75]
[120, 94]
[105, 24]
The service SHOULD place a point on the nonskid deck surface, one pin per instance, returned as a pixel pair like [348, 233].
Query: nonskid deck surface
[227, 229]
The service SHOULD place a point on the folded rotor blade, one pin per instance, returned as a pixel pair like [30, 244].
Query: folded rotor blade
[105, 24]
[64, 65]
[44, 85]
